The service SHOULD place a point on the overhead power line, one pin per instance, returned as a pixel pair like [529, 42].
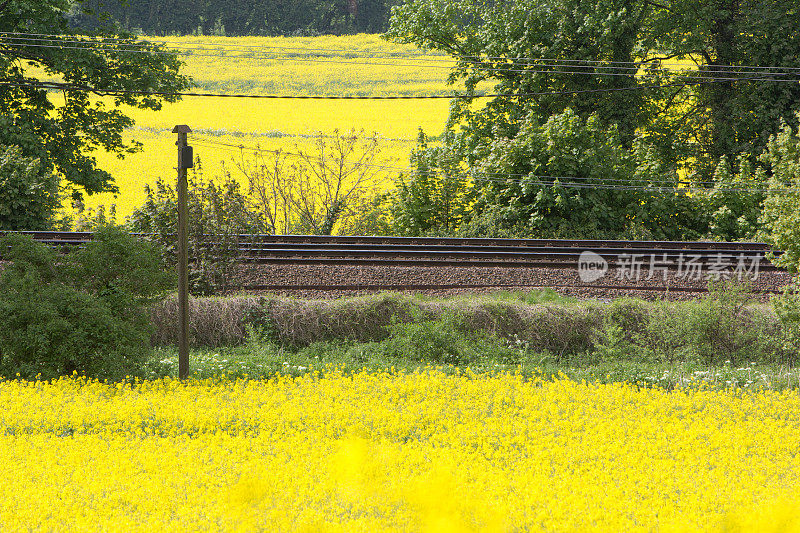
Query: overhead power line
[568, 182]
[539, 66]
[426, 56]
[59, 86]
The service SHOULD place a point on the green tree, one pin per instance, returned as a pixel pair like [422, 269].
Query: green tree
[484, 37]
[727, 117]
[781, 215]
[582, 56]
[86, 312]
[734, 204]
[246, 17]
[28, 194]
[218, 213]
[433, 199]
[571, 177]
[63, 127]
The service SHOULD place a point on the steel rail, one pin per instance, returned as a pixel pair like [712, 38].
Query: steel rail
[447, 251]
[83, 237]
[496, 251]
[444, 286]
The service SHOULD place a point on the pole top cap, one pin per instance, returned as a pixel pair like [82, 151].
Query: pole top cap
[182, 129]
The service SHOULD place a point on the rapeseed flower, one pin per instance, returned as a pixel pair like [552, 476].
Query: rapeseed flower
[393, 451]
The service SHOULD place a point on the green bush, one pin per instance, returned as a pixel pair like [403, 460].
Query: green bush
[723, 327]
[28, 194]
[443, 340]
[85, 312]
[780, 217]
[787, 307]
[665, 337]
[218, 209]
[720, 328]
[624, 328]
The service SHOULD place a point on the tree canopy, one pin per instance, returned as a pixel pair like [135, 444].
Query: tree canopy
[681, 87]
[246, 17]
[60, 98]
[609, 57]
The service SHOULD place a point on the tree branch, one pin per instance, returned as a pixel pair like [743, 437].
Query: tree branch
[656, 4]
[672, 98]
[664, 58]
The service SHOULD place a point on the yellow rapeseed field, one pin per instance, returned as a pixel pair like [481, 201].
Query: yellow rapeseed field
[385, 451]
[281, 65]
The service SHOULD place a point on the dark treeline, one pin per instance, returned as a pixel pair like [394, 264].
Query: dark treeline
[241, 17]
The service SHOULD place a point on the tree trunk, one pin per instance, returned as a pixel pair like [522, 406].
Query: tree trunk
[722, 93]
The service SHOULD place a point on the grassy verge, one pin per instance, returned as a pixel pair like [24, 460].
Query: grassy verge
[721, 341]
[242, 362]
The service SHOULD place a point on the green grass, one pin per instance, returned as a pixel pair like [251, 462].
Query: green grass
[266, 362]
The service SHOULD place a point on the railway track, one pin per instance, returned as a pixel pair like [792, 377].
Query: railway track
[432, 251]
[325, 255]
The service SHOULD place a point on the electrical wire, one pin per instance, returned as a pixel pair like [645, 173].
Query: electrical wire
[635, 185]
[427, 55]
[484, 176]
[116, 92]
[542, 67]
[574, 64]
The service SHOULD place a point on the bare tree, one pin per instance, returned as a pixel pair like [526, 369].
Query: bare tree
[329, 187]
[271, 187]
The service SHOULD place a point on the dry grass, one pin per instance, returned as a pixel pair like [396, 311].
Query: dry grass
[222, 321]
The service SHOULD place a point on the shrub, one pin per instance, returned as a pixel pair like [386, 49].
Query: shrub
[624, 325]
[218, 209]
[665, 337]
[721, 328]
[787, 307]
[780, 217]
[84, 313]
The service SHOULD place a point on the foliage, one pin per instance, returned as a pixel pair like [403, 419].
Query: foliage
[721, 328]
[248, 17]
[478, 35]
[89, 219]
[218, 214]
[439, 341]
[781, 216]
[615, 34]
[83, 313]
[787, 307]
[622, 326]
[733, 212]
[741, 114]
[661, 116]
[434, 197]
[567, 177]
[28, 194]
[63, 129]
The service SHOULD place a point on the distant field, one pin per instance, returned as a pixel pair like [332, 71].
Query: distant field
[267, 65]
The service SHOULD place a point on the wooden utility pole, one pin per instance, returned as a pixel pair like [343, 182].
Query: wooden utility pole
[185, 161]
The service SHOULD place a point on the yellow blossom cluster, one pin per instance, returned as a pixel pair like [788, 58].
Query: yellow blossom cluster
[393, 451]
